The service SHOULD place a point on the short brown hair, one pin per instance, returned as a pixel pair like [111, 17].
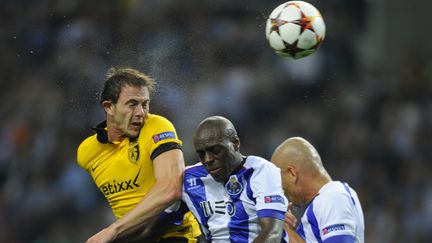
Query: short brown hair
[116, 78]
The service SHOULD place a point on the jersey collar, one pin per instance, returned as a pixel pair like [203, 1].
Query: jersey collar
[102, 135]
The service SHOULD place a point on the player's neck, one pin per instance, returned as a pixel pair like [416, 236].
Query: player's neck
[114, 133]
[242, 160]
[315, 186]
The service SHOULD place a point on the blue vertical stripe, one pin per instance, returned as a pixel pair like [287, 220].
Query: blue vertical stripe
[284, 237]
[197, 195]
[300, 231]
[340, 239]
[239, 223]
[313, 222]
[349, 192]
[247, 176]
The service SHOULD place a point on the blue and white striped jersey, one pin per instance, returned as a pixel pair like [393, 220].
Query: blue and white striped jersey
[334, 215]
[231, 212]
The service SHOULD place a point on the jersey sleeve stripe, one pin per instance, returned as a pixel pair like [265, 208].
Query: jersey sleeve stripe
[349, 192]
[271, 213]
[340, 239]
[163, 148]
[313, 223]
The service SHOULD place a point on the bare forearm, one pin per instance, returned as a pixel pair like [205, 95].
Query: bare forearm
[151, 233]
[293, 236]
[168, 170]
[157, 199]
[271, 231]
[270, 238]
[146, 234]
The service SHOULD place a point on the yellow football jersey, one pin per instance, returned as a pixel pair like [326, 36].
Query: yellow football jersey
[123, 171]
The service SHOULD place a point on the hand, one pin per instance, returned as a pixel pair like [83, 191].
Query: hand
[290, 219]
[104, 236]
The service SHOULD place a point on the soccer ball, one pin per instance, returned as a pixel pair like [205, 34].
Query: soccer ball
[295, 29]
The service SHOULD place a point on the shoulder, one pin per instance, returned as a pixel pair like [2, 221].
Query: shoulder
[86, 151]
[193, 179]
[158, 128]
[196, 170]
[336, 198]
[262, 175]
[260, 164]
[334, 191]
[335, 212]
[153, 119]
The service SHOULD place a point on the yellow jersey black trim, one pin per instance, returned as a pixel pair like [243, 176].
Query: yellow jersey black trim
[123, 170]
[163, 148]
[102, 135]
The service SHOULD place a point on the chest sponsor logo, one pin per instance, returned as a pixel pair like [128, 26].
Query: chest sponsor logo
[233, 186]
[133, 152]
[114, 186]
[331, 228]
[274, 199]
[217, 207]
[162, 136]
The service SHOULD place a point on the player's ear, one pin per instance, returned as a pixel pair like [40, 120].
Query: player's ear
[292, 173]
[236, 142]
[107, 105]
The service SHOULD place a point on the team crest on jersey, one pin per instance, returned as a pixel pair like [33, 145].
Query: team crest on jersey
[133, 152]
[233, 186]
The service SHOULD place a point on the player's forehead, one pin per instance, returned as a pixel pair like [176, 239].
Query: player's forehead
[139, 93]
[208, 137]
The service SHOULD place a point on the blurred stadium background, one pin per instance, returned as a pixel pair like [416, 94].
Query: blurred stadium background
[364, 99]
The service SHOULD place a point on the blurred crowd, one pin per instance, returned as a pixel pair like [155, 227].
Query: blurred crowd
[371, 121]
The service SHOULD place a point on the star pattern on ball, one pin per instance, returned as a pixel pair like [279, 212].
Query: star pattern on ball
[295, 29]
[305, 22]
[292, 49]
[276, 23]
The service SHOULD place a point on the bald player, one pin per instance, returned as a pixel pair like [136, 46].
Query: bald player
[333, 212]
[235, 198]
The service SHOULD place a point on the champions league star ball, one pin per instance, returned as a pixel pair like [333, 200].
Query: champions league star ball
[295, 29]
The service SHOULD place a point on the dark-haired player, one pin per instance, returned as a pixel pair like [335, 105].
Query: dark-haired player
[135, 160]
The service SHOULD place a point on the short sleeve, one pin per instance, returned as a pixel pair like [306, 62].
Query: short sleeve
[83, 159]
[335, 215]
[158, 131]
[267, 190]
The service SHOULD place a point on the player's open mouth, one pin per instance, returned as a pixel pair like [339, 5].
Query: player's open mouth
[136, 124]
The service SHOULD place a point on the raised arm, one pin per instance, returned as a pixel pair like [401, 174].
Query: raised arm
[168, 172]
[271, 230]
[293, 236]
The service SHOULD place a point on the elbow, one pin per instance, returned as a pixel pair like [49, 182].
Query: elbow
[275, 236]
[173, 193]
[176, 194]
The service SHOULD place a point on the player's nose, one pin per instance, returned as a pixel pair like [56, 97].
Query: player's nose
[208, 159]
[140, 111]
